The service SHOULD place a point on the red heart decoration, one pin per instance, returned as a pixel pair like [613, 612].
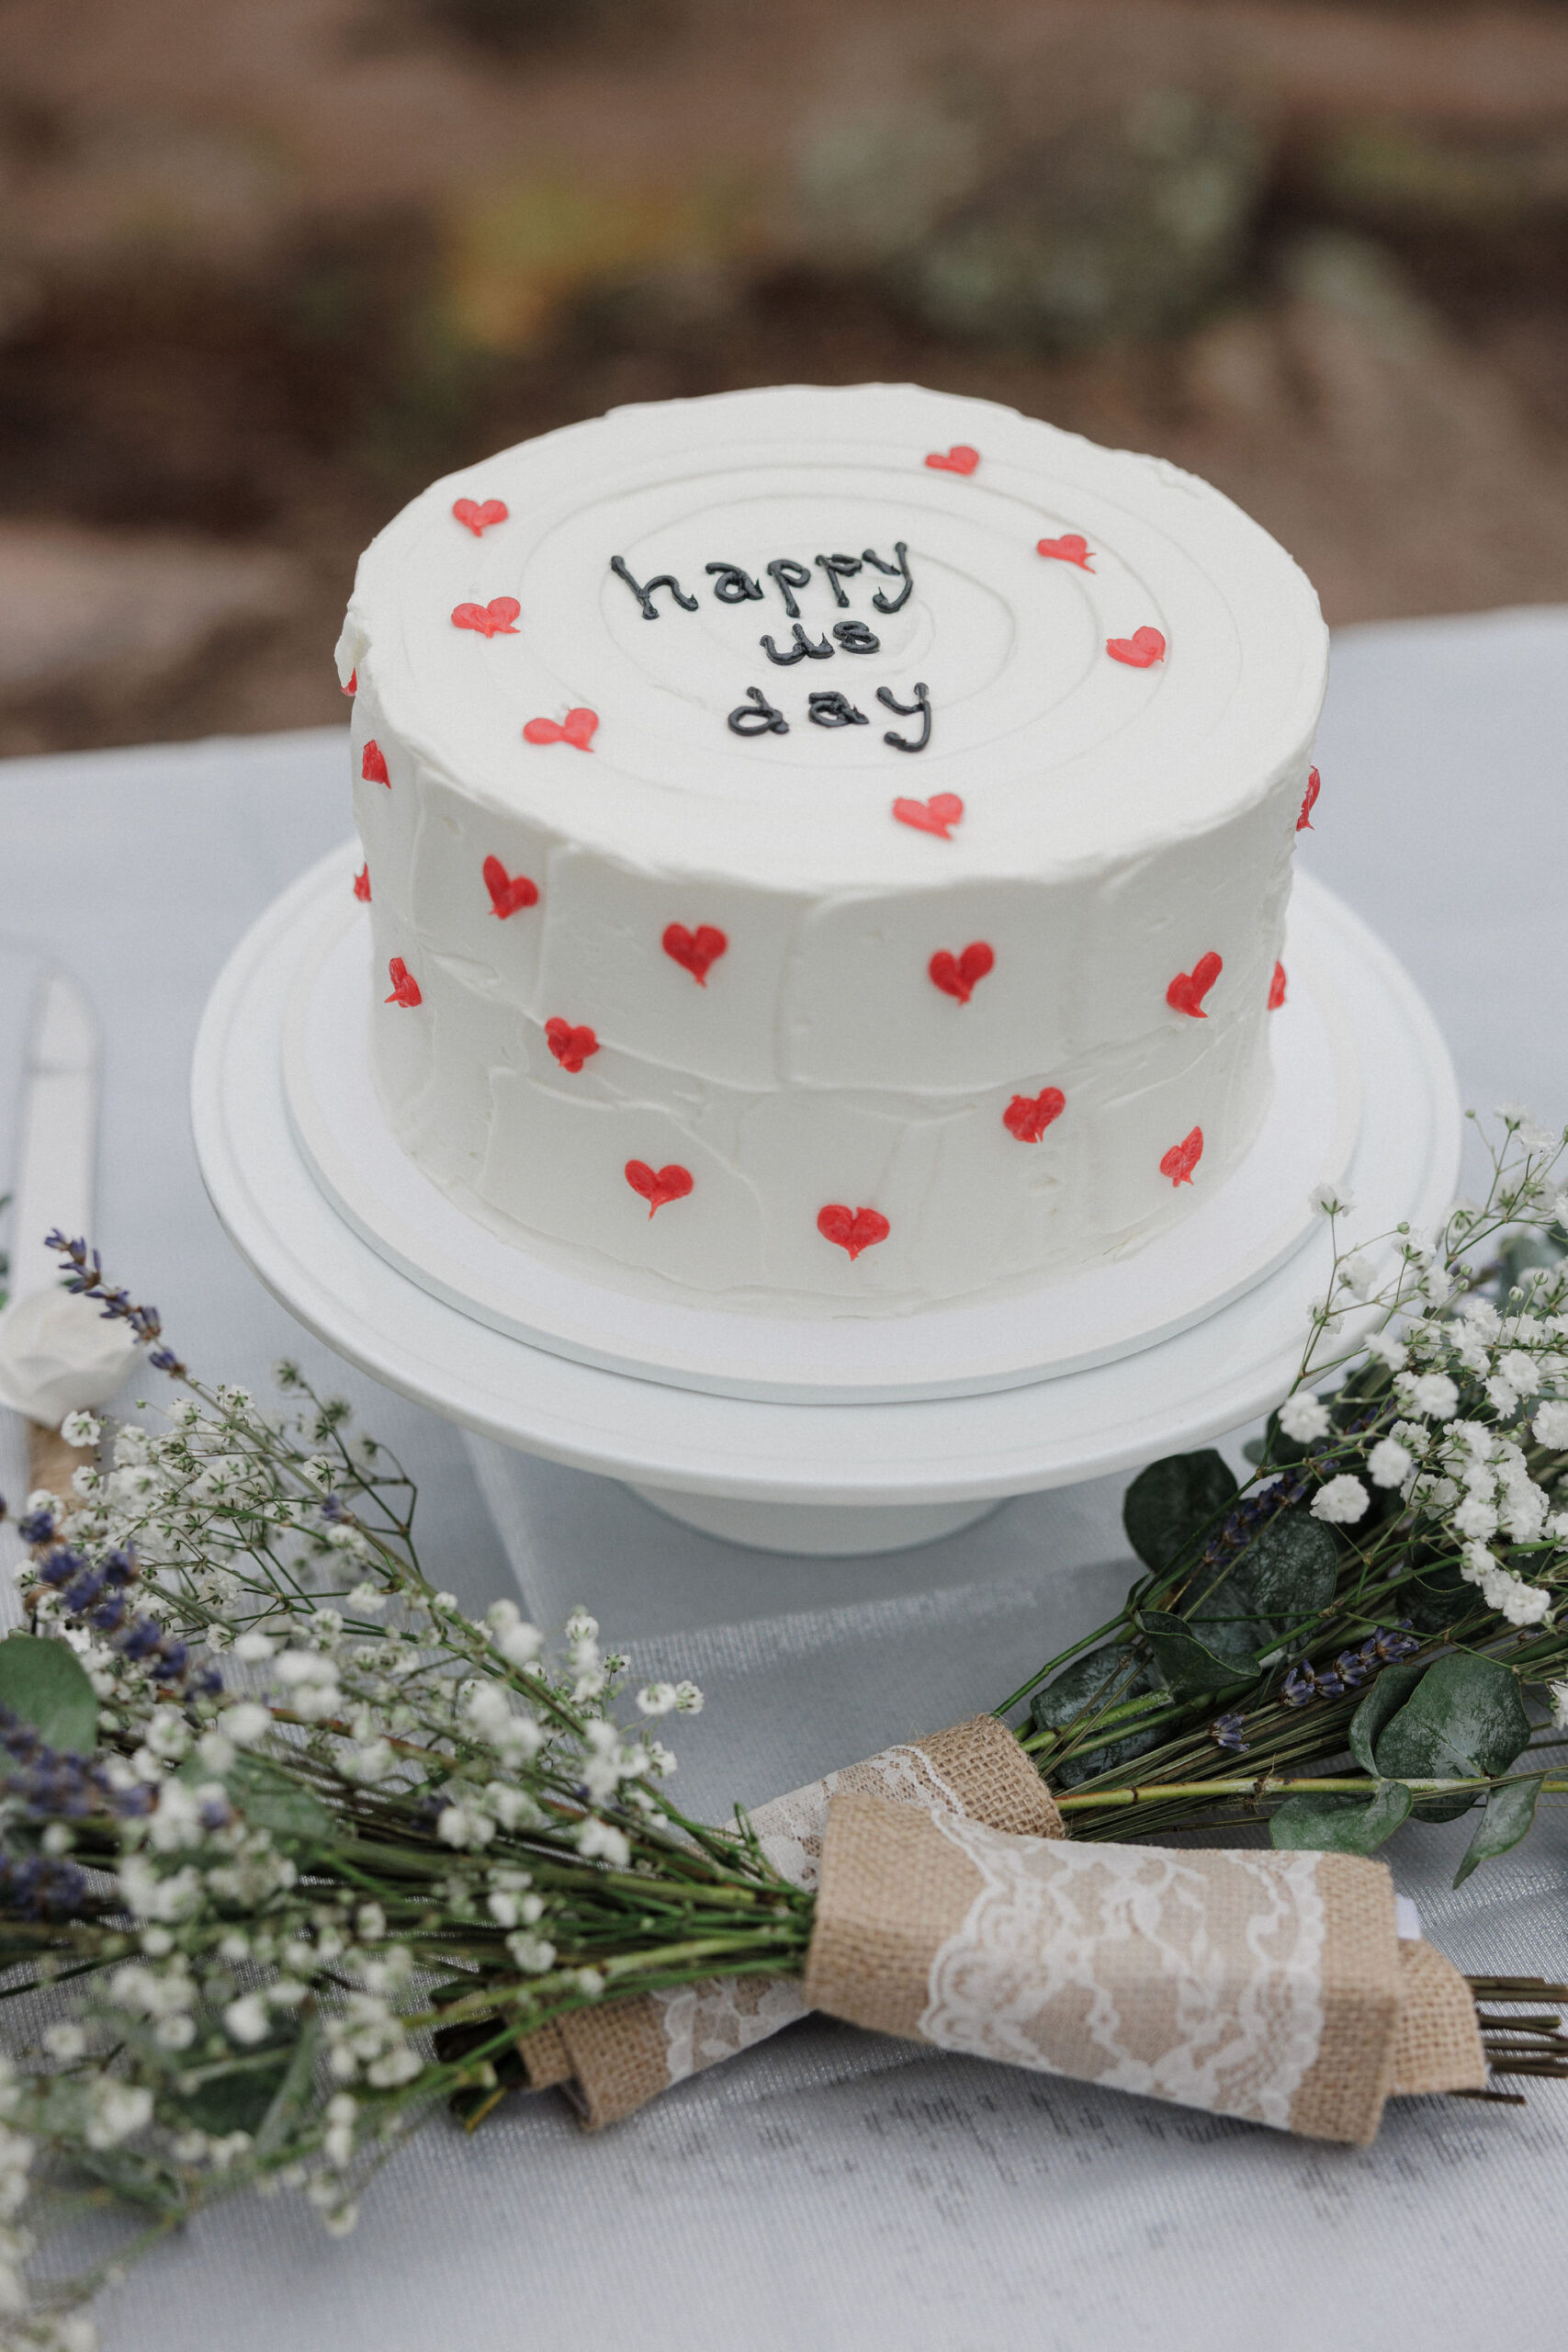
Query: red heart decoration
[1071, 548]
[694, 949]
[479, 518]
[956, 975]
[1183, 1158]
[508, 892]
[852, 1229]
[933, 816]
[1277, 989]
[362, 885]
[671, 1183]
[1187, 992]
[353, 685]
[1315, 785]
[405, 988]
[373, 765]
[571, 1048]
[1027, 1116]
[1140, 651]
[959, 460]
[494, 619]
[577, 728]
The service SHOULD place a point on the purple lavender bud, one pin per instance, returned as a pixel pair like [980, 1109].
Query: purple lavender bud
[59, 1568]
[142, 1637]
[1298, 1686]
[36, 1526]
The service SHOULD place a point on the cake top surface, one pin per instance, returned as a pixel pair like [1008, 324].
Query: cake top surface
[687, 632]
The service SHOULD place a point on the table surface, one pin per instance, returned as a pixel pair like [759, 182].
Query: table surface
[834, 2189]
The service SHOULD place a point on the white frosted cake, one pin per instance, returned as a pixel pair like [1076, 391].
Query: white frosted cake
[827, 851]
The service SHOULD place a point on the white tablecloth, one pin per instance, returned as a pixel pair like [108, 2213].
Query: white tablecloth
[834, 2189]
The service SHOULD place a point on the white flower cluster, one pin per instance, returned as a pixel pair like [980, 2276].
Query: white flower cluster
[351, 1695]
[1468, 1475]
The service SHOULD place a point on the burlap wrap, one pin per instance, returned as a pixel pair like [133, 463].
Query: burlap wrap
[1267, 1985]
[614, 2058]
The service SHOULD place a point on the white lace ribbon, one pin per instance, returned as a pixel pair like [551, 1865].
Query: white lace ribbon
[1051, 1969]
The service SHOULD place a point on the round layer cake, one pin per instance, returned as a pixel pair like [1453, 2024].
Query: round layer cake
[827, 850]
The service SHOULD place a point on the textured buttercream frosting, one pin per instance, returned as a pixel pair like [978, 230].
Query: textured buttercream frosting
[709, 987]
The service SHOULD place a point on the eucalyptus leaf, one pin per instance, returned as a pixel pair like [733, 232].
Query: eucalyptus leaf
[1340, 1823]
[1465, 1719]
[242, 2095]
[142, 2180]
[1104, 1678]
[45, 1684]
[1167, 1503]
[270, 1800]
[1509, 1816]
[1280, 1581]
[1382, 1701]
[1187, 1664]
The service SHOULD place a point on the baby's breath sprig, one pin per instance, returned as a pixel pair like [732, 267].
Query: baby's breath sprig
[1391, 1579]
[313, 1847]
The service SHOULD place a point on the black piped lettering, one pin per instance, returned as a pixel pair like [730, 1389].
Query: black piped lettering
[732, 585]
[644, 592]
[893, 571]
[786, 574]
[758, 716]
[907, 710]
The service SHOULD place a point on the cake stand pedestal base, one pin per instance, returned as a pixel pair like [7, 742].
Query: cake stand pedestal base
[815, 1531]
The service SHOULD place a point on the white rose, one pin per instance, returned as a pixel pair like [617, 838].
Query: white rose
[59, 1355]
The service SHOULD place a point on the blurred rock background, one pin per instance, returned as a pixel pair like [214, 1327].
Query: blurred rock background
[265, 269]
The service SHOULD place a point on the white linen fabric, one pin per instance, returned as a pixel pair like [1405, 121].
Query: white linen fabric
[834, 2189]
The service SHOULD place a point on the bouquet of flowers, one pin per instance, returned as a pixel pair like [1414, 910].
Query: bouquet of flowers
[294, 1851]
[1372, 1620]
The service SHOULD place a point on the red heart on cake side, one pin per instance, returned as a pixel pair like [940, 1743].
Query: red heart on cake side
[1071, 548]
[658, 1185]
[362, 885]
[1183, 1158]
[1315, 785]
[353, 685]
[1140, 651]
[936, 815]
[405, 988]
[1187, 992]
[1277, 989]
[957, 975]
[478, 518]
[373, 764]
[959, 460]
[1027, 1116]
[852, 1229]
[494, 619]
[695, 951]
[577, 728]
[508, 892]
[571, 1048]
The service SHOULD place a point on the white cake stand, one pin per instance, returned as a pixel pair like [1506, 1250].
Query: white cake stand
[812, 1449]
